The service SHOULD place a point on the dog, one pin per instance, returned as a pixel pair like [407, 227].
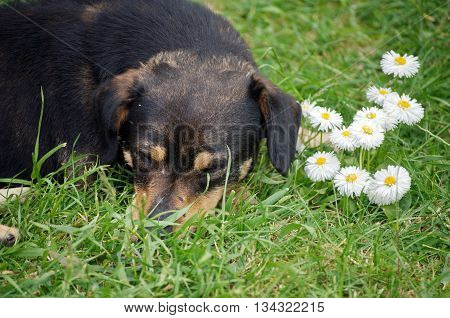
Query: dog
[167, 87]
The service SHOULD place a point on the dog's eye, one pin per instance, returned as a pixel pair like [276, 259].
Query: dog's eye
[216, 166]
[143, 155]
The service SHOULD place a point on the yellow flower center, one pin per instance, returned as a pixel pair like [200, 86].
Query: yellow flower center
[367, 130]
[371, 115]
[321, 161]
[383, 91]
[400, 60]
[326, 116]
[351, 177]
[403, 104]
[389, 181]
[346, 133]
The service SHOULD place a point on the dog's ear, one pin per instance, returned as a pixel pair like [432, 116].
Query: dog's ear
[281, 116]
[113, 100]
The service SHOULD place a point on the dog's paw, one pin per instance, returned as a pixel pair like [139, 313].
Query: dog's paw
[9, 240]
[8, 235]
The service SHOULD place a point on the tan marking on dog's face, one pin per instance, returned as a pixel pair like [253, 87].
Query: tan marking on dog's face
[209, 200]
[204, 203]
[182, 196]
[141, 203]
[127, 157]
[245, 168]
[158, 153]
[146, 194]
[179, 196]
[202, 160]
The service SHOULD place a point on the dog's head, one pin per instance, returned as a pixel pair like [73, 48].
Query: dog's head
[185, 123]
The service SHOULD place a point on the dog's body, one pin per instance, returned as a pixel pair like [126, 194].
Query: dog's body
[138, 80]
[69, 48]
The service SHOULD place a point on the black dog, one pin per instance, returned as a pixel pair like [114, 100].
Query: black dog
[167, 85]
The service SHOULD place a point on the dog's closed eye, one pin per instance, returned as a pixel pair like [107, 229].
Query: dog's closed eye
[145, 160]
[217, 166]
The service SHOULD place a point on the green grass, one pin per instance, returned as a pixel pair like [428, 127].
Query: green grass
[297, 241]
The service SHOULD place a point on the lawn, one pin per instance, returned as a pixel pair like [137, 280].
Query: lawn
[297, 240]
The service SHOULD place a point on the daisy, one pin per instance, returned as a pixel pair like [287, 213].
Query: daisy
[388, 185]
[322, 166]
[307, 107]
[325, 119]
[390, 122]
[342, 139]
[350, 181]
[404, 108]
[377, 95]
[394, 63]
[367, 134]
[373, 114]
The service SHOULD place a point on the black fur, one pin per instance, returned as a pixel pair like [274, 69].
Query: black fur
[108, 69]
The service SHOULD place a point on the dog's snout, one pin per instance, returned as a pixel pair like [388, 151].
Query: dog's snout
[159, 199]
[161, 209]
[160, 212]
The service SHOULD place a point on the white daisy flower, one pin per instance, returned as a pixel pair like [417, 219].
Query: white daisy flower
[404, 109]
[325, 119]
[373, 114]
[342, 139]
[388, 185]
[377, 95]
[307, 107]
[322, 166]
[367, 134]
[390, 122]
[350, 181]
[394, 63]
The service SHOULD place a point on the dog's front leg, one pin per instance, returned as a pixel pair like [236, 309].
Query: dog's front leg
[10, 235]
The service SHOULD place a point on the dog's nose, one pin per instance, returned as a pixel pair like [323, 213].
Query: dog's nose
[160, 211]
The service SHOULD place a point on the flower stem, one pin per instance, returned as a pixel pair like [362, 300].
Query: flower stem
[433, 135]
[368, 160]
[361, 158]
[336, 204]
[346, 208]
